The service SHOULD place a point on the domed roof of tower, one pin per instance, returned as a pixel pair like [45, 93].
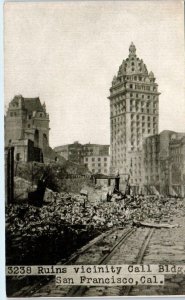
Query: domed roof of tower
[151, 75]
[132, 48]
[114, 80]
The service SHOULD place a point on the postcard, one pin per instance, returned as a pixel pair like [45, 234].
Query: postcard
[94, 148]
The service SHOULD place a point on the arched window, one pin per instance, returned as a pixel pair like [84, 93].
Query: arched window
[45, 140]
[36, 138]
[18, 156]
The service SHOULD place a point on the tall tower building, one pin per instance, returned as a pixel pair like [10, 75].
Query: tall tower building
[134, 114]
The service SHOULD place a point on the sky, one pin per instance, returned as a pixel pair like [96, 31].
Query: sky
[68, 52]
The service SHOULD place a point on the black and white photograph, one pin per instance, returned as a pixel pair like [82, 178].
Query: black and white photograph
[94, 148]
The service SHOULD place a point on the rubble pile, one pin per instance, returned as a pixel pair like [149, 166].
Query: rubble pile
[71, 220]
[153, 208]
[74, 209]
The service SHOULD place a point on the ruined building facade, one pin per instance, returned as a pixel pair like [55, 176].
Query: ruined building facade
[164, 163]
[134, 114]
[27, 128]
[96, 158]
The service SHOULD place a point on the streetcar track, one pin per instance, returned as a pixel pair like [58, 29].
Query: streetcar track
[80, 290]
[45, 280]
[140, 256]
[77, 291]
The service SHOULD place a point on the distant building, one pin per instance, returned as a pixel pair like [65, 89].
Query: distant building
[177, 165]
[27, 128]
[63, 151]
[164, 163]
[94, 156]
[134, 110]
[72, 152]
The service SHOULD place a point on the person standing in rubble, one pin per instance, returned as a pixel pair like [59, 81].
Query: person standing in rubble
[127, 213]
